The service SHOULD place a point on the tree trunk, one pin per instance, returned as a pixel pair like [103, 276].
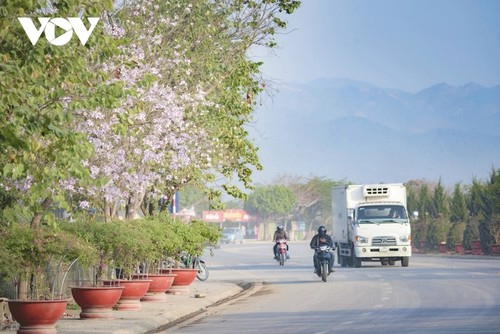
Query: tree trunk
[134, 204]
[22, 289]
[37, 218]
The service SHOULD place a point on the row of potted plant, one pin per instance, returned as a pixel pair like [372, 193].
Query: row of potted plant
[50, 262]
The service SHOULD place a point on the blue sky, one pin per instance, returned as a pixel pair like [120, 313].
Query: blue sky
[402, 44]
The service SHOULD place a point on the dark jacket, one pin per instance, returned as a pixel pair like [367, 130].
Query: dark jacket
[319, 240]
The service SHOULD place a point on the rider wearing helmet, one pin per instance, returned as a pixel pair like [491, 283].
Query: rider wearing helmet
[280, 233]
[321, 239]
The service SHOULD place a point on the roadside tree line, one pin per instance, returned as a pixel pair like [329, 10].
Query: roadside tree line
[467, 212]
[438, 215]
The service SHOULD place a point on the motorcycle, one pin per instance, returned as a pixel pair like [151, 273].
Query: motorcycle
[324, 255]
[281, 252]
[195, 262]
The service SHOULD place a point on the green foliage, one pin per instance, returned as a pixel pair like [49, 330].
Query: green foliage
[207, 234]
[471, 213]
[456, 233]
[271, 201]
[194, 196]
[438, 230]
[493, 200]
[38, 253]
[458, 206]
[440, 206]
[41, 84]
[458, 216]
[471, 232]
[129, 244]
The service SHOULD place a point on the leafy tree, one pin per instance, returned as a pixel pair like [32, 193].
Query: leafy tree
[40, 87]
[187, 66]
[440, 206]
[313, 195]
[193, 196]
[493, 200]
[273, 202]
[474, 207]
[424, 205]
[458, 215]
[479, 210]
[411, 200]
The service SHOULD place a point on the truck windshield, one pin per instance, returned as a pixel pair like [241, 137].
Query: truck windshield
[378, 213]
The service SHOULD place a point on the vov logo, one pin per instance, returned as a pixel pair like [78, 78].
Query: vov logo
[48, 25]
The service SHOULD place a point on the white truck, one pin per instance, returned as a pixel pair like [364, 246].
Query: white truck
[370, 223]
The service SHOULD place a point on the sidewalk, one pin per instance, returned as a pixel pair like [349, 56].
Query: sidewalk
[151, 315]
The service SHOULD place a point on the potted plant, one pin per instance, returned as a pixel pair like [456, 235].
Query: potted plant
[129, 244]
[120, 245]
[456, 236]
[193, 237]
[162, 241]
[95, 300]
[495, 234]
[38, 260]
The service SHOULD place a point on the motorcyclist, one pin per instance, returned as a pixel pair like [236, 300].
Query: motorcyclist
[279, 234]
[318, 240]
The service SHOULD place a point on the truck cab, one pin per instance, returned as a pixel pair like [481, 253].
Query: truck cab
[371, 224]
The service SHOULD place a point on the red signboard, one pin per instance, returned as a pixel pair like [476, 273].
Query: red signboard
[235, 215]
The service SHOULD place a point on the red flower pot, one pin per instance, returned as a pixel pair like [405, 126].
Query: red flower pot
[495, 249]
[97, 302]
[459, 249]
[132, 293]
[184, 278]
[160, 283]
[477, 249]
[37, 316]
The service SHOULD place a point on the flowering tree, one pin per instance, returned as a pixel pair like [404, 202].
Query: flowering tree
[156, 98]
[185, 69]
[40, 85]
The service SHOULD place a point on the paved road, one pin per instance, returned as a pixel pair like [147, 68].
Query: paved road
[434, 294]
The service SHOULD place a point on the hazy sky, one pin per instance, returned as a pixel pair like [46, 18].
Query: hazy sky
[403, 44]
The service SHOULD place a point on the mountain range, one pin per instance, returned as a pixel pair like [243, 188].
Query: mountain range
[350, 130]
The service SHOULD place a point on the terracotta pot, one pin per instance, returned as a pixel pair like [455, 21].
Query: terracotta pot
[184, 278]
[443, 248]
[459, 249]
[132, 293]
[37, 316]
[475, 244]
[160, 283]
[477, 249]
[97, 302]
[495, 249]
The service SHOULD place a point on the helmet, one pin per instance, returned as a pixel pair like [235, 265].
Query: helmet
[322, 230]
[279, 227]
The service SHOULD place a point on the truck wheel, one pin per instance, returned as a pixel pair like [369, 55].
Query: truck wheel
[392, 262]
[384, 262]
[356, 262]
[405, 261]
